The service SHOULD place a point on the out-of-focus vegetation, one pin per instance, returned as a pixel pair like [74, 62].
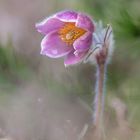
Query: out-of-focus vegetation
[40, 99]
[13, 67]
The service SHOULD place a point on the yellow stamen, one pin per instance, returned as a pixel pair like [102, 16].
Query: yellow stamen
[69, 33]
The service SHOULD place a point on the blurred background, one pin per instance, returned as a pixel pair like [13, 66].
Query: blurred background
[40, 99]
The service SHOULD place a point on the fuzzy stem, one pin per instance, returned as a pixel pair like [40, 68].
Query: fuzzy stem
[99, 97]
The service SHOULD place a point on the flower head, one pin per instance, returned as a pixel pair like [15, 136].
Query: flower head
[67, 33]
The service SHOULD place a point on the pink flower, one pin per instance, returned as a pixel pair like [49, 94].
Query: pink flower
[67, 33]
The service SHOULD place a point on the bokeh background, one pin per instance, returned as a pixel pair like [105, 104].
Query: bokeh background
[40, 99]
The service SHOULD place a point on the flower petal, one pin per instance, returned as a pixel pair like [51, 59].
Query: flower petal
[67, 16]
[84, 42]
[49, 25]
[85, 22]
[72, 59]
[53, 46]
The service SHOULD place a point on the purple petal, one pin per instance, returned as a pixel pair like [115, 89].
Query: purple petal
[85, 22]
[84, 42]
[53, 46]
[67, 16]
[72, 59]
[49, 25]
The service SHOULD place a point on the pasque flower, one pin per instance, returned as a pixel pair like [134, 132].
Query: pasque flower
[67, 33]
[72, 34]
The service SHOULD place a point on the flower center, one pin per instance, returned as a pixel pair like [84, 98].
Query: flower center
[69, 33]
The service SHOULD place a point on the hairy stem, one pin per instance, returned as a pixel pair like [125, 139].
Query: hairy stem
[99, 97]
